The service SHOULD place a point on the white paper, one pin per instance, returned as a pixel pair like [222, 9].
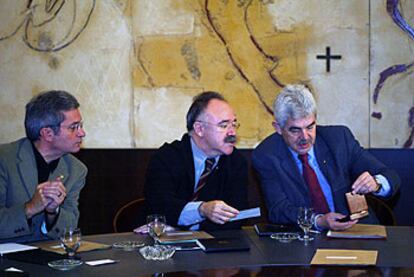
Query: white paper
[101, 262]
[13, 269]
[254, 212]
[14, 247]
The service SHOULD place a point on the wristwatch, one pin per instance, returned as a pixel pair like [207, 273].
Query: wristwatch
[379, 184]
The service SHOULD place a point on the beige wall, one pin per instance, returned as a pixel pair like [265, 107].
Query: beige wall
[135, 65]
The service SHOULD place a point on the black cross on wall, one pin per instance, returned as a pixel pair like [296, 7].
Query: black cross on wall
[328, 57]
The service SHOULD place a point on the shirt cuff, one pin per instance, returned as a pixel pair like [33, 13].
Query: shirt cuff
[385, 186]
[190, 214]
[43, 228]
[315, 224]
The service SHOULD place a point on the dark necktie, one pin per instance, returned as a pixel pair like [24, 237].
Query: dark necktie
[208, 168]
[318, 200]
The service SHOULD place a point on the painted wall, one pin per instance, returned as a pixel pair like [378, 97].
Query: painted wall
[135, 65]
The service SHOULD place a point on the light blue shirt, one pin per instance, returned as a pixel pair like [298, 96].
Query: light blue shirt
[190, 214]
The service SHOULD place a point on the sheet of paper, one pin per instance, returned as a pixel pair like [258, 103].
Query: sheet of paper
[14, 247]
[101, 262]
[249, 213]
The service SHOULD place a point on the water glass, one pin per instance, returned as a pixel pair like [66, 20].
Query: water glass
[71, 240]
[305, 221]
[156, 226]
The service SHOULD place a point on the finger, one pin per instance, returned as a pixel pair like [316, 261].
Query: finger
[57, 185]
[360, 181]
[229, 209]
[56, 191]
[219, 220]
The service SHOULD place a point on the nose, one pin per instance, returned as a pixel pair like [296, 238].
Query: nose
[81, 132]
[232, 130]
[304, 134]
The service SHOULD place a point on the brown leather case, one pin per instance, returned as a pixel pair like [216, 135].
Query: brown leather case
[357, 205]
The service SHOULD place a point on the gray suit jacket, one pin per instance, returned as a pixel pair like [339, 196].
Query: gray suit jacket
[18, 180]
[340, 158]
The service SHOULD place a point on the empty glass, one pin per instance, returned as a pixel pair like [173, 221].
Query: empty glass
[305, 220]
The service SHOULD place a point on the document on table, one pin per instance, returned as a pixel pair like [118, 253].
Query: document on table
[249, 213]
[344, 257]
[14, 247]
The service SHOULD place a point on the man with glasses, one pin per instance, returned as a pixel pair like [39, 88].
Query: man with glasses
[40, 181]
[200, 181]
[298, 168]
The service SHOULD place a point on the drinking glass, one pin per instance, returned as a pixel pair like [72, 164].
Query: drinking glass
[305, 220]
[156, 226]
[71, 240]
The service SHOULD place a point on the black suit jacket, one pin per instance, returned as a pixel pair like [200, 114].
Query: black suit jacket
[340, 158]
[170, 180]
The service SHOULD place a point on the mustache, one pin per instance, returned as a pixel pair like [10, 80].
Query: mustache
[230, 139]
[303, 141]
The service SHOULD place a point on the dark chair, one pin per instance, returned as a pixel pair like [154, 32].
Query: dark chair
[129, 216]
[383, 212]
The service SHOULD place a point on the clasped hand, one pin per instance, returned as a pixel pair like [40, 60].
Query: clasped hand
[47, 196]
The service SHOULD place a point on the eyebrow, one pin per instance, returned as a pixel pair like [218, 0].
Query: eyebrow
[293, 128]
[227, 120]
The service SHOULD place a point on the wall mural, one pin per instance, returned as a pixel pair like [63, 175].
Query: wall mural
[135, 65]
[42, 26]
[395, 14]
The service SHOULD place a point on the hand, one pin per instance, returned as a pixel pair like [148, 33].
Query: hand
[217, 211]
[38, 202]
[364, 184]
[330, 221]
[55, 192]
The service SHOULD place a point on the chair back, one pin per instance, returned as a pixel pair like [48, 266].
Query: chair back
[129, 216]
[383, 212]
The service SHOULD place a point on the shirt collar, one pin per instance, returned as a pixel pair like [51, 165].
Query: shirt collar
[311, 155]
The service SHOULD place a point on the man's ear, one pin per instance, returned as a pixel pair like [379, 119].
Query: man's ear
[47, 133]
[198, 128]
[277, 127]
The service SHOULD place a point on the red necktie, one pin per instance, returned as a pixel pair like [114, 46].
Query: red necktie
[208, 168]
[318, 200]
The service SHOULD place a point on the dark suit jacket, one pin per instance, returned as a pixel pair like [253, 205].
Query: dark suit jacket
[340, 158]
[18, 180]
[170, 182]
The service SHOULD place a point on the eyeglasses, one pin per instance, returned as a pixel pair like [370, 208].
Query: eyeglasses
[224, 125]
[74, 127]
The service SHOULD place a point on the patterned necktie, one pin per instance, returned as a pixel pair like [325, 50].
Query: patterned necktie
[208, 168]
[318, 200]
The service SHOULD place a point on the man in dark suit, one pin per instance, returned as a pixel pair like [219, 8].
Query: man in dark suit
[303, 164]
[200, 181]
[39, 181]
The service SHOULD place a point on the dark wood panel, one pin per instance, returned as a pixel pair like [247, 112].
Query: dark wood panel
[116, 176]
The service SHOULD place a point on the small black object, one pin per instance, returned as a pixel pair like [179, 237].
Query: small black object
[264, 229]
[345, 219]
